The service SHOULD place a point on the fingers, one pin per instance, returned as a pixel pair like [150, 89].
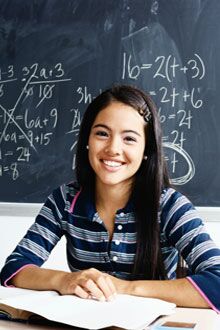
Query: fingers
[95, 291]
[95, 284]
[111, 285]
[107, 287]
[81, 293]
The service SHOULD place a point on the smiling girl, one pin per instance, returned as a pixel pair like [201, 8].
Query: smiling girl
[126, 228]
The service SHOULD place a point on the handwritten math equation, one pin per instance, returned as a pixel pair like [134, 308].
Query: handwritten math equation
[24, 128]
[30, 111]
[178, 103]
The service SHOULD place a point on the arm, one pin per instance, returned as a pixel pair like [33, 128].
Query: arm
[85, 284]
[40, 239]
[22, 266]
[183, 230]
[180, 291]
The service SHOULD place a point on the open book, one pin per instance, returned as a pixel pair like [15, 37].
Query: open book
[125, 311]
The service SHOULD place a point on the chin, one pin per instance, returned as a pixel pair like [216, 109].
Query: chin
[114, 182]
[110, 182]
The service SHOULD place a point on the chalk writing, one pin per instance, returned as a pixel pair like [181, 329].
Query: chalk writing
[29, 125]
[163, 67]
[176, 105]
[24, 128]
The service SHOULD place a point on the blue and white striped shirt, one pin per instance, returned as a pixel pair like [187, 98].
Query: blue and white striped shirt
[181, 232]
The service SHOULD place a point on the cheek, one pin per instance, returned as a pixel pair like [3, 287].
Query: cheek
[141, 155]
[91, 158]
[136, 155]
[140, 150]
[94, 153]
[94, 148]
[91, 153]
[90, 140]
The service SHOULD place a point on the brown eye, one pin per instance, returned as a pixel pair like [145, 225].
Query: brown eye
[101, 133]
[130, 139]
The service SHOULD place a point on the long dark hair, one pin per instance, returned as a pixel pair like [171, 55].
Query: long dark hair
[150, 178]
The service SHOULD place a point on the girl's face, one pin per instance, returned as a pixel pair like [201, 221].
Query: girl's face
[116, 144]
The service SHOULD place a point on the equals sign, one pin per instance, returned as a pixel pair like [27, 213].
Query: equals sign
[9, 153]
[164, 138]
[146, 66]
[21, 137]
[152, 93]
[5, 168]
[19, 117]
[172, 116]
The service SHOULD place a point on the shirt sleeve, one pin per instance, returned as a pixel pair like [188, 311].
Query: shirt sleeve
[186, 231]
[35, 247]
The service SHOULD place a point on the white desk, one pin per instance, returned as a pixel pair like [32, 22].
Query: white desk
[206, 319]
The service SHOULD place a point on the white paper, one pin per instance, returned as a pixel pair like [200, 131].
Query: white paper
[7, 292]
[124, 311]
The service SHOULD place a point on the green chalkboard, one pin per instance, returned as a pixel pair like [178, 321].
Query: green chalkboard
[56, 55]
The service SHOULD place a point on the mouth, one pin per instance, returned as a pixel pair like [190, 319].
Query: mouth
[112, 163]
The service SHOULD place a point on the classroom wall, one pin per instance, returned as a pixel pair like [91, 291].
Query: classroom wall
[16, 218]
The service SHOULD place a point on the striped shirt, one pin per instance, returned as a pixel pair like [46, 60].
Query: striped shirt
[71, 212]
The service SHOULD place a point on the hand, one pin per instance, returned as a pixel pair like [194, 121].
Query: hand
[89, 283]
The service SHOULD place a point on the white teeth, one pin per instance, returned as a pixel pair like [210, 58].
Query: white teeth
[112, 163]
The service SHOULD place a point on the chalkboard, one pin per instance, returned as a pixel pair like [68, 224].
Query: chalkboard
[57, 55]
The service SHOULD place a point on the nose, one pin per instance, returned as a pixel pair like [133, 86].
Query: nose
[113, 148]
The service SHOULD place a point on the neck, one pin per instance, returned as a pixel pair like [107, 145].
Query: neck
[112, 197]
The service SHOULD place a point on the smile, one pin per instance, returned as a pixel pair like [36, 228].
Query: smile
[112, 163]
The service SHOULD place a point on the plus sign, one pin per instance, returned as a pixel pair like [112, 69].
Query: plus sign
[184, 69]
[185, 96]
[45, 121]
[37, 139]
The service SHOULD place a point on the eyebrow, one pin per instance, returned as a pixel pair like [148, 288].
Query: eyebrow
[125, 131]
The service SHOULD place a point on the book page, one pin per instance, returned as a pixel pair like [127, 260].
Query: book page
[124, 311]
[7, 292]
